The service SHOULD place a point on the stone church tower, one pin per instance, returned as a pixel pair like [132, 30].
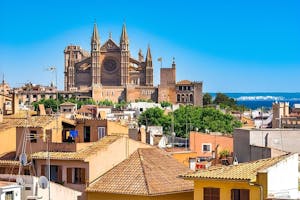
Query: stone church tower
[95, 57]
[108, 71]
[124, 45]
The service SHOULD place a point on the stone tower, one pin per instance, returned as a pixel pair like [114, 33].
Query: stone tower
[149, 68]
[124, 45]
[69, 72]
[95, 57]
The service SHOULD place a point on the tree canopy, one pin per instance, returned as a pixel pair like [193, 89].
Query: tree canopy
[188, 118]
[207, 99]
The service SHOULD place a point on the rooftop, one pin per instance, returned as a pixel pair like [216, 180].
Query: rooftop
[33, 121]
[184, 82]
[242, 171]
[68, 104]
[81, 154]
[146, 172]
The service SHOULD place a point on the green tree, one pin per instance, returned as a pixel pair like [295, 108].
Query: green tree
[188, 118]
[224, 101]
[155, 117]
[121, 105]
[105, 103]
[207, 99]
[165, 104]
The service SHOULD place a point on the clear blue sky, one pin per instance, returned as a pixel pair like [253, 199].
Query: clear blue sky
[232, 46]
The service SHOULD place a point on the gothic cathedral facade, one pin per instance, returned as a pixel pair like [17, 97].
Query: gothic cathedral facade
[108, 72]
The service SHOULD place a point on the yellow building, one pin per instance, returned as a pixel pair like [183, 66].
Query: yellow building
[149, 173]
[268, 178]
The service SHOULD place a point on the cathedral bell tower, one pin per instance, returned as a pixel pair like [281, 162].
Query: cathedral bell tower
[95, 57]
[124, 45]
[149, 68]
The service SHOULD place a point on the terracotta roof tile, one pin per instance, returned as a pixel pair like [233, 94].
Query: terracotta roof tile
[146, 172]
[184, 82]
[81, 154]
[68, 104]
[34, 121]
[242, 171]
[9, 162]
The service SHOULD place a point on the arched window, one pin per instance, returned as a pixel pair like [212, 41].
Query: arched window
[182, 98]
[178, 97]
[191, 98]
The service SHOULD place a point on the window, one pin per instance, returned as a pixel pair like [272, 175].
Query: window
[33, 136]
[178, 97]
[87, 133]
[206, 147]
[76, 175]
[191, 98]
[55, 172]
[211, 194]
[9, 195]
[239, 194]
[2, 170]
[101, 132]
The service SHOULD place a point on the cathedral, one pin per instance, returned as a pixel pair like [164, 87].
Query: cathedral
[109, 72]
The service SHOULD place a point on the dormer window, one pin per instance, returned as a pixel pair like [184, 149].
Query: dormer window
[95, 47]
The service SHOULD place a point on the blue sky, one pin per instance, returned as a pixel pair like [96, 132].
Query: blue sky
[232, 46]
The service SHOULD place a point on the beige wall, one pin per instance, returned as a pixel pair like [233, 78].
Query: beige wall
[141, 92]
[7, 140]
[114, 94]
[115, 128]
[112, 155]
[93, 124]
[111, 196]
[66, 164]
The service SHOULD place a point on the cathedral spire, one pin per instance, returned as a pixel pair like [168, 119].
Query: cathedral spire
[148, 57]
[95, 36]
[124, 36]
[95, 40]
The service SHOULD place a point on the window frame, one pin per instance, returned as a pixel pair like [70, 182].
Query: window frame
[206, 144]
[211, 193]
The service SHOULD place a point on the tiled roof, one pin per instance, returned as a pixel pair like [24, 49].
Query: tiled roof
[67, 104]
[242, 171]
[34, 121]
[84, 110]
[184, 82]
[79, 155]
[148, 171]
[9, 162]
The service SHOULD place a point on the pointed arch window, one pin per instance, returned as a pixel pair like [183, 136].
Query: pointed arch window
[191, 98]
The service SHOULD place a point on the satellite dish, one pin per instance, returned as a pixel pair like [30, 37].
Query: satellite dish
[23, 159]
[43, 182]
[20, 181]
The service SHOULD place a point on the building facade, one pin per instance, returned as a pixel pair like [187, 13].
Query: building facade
[109, 72]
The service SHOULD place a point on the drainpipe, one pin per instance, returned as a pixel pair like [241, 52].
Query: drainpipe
[260, 189]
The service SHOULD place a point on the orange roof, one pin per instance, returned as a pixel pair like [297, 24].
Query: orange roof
[148, 171]
[242, 171]
[33, 121]
[184, 82]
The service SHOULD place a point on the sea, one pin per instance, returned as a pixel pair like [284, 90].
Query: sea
[258, 100]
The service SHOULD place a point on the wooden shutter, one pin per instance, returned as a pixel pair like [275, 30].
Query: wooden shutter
[244, 194]
[211, 194]
[43, 167]
[59, 174]
[69, 175]
[82, 176]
